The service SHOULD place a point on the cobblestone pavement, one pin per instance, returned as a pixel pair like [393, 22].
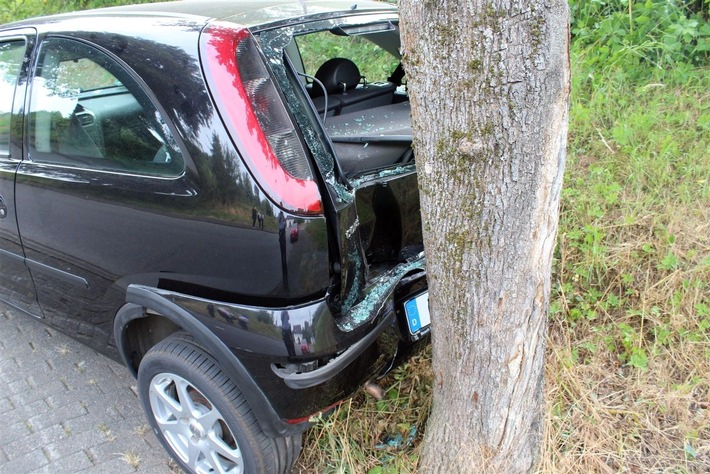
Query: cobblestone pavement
[65, 408]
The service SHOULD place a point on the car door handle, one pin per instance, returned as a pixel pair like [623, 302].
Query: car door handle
[3, 209]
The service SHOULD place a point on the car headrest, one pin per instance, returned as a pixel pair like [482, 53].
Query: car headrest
[337, 75]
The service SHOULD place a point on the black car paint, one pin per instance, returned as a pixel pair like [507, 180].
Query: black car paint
[172, 251]
[62, 208]
[16, 285]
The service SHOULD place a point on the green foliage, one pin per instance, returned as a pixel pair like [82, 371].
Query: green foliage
[630, 307]
[12, 10]
[374, 63]
[638, 35]
[636, 191]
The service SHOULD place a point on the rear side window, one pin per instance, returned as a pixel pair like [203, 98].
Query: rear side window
[87, 111]
[11, 54]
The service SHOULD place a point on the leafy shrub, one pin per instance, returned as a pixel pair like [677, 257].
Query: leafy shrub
[637, 34]
[18, 9]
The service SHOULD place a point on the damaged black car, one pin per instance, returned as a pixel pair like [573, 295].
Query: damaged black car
[222, 195]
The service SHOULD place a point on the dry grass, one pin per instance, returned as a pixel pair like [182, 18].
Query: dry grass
[365, 433]
[131, 458]
[606, 415]
[628, 367]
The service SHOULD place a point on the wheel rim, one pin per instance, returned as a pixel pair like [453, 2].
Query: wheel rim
[193, 427]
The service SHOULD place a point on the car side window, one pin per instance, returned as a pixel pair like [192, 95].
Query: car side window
[11, 54]
[87, 111]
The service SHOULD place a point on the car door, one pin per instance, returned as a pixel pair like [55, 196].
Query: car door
[96, 151]
[16, 286]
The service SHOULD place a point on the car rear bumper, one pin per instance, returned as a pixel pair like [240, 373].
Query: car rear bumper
[291, 362]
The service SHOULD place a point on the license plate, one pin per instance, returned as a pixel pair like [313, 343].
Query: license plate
[417, 311]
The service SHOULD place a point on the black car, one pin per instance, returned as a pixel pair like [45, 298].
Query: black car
[222, 195]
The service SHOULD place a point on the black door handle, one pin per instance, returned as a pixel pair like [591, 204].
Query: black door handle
[3, 209]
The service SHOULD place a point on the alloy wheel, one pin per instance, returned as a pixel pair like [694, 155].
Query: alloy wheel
[193, 427]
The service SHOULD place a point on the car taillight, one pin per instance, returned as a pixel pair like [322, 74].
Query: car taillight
[257, 119]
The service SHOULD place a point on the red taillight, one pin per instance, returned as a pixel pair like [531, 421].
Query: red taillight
[257, 119]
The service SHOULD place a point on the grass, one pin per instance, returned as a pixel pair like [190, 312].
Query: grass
[106, 432]
[628, 367]
[131, 458]
[365, 434]
[628, 361]
[12, 10]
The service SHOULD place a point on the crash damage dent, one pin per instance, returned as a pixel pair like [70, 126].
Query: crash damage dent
[360, 295]
[379, 294]
[376, 312]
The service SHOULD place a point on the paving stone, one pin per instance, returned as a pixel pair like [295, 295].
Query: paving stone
[118, 465]
[23, 412]
[29, 392]
[71, 443]
[8, 367]
[10, 432]
[28, 462]
[71, 463]
[6, 405]
[36, 440]
[67, 409]
[55, 416]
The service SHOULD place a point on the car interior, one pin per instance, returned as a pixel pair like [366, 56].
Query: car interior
[366, 114]
[352, 75]
[83, 115]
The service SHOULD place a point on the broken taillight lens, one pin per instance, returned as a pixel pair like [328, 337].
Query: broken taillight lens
[257, 119]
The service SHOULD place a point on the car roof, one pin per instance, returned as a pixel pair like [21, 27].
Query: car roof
[249, 13]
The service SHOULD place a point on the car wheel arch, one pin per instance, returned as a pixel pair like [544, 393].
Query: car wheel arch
[156, 311]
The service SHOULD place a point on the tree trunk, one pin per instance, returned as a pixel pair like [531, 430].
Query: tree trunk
[489, 88]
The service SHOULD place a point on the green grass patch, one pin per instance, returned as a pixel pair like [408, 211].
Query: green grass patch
[12, 10]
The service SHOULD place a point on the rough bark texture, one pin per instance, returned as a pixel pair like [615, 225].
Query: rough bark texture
[489, 87]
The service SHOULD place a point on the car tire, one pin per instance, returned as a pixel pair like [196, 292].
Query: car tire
[200, 416]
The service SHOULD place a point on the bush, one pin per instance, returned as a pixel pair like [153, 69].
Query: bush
[18, 9]
[634, 35]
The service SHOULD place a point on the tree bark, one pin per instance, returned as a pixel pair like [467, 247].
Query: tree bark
[488, 82]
